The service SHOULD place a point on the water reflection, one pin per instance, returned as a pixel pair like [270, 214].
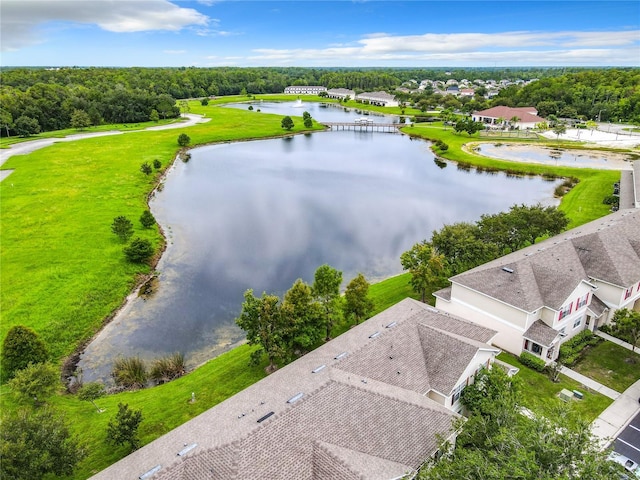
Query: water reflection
[262, 214]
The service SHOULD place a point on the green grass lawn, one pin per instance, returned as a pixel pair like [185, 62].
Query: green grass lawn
[63, 271]
[611, 365]
[540, 394]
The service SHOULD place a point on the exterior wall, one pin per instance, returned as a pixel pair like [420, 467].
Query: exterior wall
[483, 303]
[305, 89]
[436, 397]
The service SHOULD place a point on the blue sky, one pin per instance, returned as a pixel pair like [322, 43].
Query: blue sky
[208, 33]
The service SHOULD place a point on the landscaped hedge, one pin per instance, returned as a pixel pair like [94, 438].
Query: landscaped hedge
[571, 349]
[531, 361]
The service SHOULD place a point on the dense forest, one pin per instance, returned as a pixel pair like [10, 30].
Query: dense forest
[39, 99]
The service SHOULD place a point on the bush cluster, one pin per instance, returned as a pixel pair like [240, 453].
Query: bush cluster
[571, 349]
[440, 145]
[531, 361]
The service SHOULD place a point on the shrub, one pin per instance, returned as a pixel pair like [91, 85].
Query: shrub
[139, 250]
[204, 102]
[167, 368]
[183, 139]
[157, 164]
[37, 382]
[130, 372]
[123, 428]
[122, 227]
[146, 168]
[21, 347]
[531, 361]
[571, 350]
[147, 220]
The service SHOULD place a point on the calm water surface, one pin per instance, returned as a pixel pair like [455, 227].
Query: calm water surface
[262, 214]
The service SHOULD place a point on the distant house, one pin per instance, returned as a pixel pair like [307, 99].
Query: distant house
[544, 294]
[501, 116]
[304, 89]
[341, 93]
[381, 99]
[467, 92]
[371, 404]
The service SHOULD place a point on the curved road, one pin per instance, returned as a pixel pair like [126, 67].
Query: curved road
[28, 147]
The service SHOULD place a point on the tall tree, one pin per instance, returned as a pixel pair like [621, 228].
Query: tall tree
[262, 320]
[122, 227]
[427, 268]
[302, 317]
[80, 119]
[627, 324]
[357, 302]
[326, 290]
[34, 444]
[287, 123]
[21, 346]
[462, 247]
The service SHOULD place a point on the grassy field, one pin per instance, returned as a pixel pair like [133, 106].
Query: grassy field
[63, 271]
[610, 364]
[540, 394]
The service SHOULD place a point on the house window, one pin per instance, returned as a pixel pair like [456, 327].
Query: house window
[457, 392]
[577, 322]
[628, 293]
[565, 311]
[535, 348]
[582, 301]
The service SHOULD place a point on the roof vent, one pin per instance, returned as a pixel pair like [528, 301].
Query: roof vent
[320, 368]
[148, 474]
[392, 324]
[262, 419]
[187, 449]
[431, 309]
[507, 269]
[341, 355]
[295, 398]
[374, 335]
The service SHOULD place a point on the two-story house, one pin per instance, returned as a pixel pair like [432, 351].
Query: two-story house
[546, 293]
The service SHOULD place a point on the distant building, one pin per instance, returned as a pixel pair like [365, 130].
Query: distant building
[304, 89]
[371, 404]
[341, 93]
[499, 117]
[381, 99]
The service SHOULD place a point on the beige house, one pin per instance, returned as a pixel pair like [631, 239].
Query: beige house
[539, 296]
[370, 404]
[381, 99]
[501, 117]
[341, 93]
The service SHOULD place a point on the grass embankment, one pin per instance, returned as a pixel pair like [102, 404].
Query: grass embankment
[582, 204]
[540, 394]
[63, 271]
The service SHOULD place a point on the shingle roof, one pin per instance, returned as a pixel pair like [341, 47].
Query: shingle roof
[541, 333]
[348, 423]
[525, 114]
[546, 273]
[597, 306]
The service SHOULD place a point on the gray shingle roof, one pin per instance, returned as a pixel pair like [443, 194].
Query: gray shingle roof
[546, 273]
[541, 333]
[597, 306]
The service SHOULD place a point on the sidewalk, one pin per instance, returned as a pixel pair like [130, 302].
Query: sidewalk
[617, 341]
[590, 384]
[618, 415]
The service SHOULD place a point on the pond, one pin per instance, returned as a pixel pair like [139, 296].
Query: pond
[556, 156]
[261, 214]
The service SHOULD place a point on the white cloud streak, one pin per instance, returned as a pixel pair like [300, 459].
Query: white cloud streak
[21, 19]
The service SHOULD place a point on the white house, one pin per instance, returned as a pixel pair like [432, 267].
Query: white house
[381, 99]
[539, 296]
[499, 117]
[304, 89]
[371, 404]
[341, 93]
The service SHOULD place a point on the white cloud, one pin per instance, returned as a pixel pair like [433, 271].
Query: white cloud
[21, 18]
[507, 48]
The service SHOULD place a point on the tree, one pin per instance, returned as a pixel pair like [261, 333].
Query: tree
[21, 347]
[262, 320]
[123, 428]
[513, 121]
[26, 126]
[287, 123]
[146, 168]
[37, 382]
[559, 128]
[427, 267]
[627, 324]
[6, 120]
[157, 164]
[357, 302]
[308, 122]
[147, 220]
[36, 444]
[204, 102]
[303, 319]
[326, 290]
[90, 392]
[497, 438]
[122, 227]
[80, 119]
[154, 116]
[462, 247]
[183, 140]
[139, 250]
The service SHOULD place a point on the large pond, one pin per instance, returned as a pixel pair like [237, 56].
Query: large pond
[556, 156]
[262, 214]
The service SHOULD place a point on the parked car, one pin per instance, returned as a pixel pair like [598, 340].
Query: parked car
[629, 465]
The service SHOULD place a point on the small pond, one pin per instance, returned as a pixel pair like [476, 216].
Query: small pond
[261, 214]
[555, 156]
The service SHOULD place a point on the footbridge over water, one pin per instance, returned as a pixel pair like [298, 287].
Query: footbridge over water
[364, 126]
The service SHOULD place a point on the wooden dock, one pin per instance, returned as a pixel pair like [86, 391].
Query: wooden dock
[373, 127]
